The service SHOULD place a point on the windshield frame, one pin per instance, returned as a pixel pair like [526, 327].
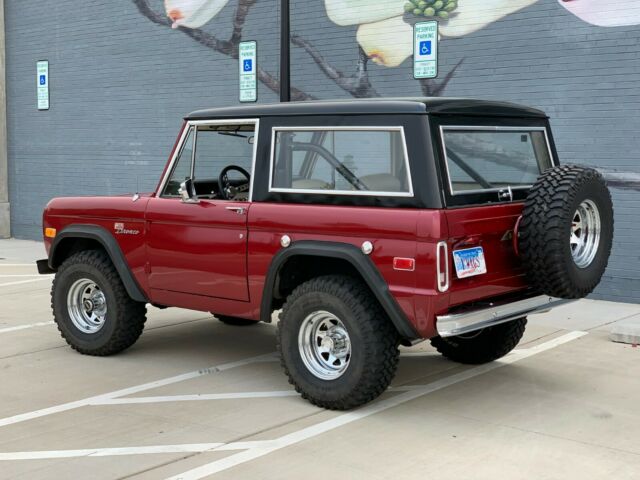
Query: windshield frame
[490, 128]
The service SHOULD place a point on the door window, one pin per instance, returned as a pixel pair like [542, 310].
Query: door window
[222, 153]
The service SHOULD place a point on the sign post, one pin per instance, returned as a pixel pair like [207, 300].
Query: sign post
[425, 50]
[42, 84]
[247, 57]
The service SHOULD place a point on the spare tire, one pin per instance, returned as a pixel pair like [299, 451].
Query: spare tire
[566, 231]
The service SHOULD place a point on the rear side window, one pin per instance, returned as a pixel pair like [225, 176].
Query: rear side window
[494, 158]
[345, 161]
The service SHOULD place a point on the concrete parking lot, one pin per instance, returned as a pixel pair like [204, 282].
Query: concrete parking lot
[195, 398]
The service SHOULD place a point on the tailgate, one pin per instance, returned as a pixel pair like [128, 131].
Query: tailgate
[490, 227]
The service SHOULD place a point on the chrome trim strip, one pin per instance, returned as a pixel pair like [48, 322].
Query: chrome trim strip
[195, 123]
[176, 154]
[442, 128]
[461, 323]
[405, 150]
[442, 287]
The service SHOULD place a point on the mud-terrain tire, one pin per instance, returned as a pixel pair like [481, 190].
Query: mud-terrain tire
[483, 346]
[344, 304]
[566, 231]
[90, 275]
[235, 321]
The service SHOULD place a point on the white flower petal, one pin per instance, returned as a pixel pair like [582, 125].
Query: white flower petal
[192, 13]
[611, 13]
[389, 42]
[354, 12]
[472, 15]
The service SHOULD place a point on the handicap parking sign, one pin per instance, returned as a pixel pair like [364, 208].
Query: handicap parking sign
[248, 65]
[43, 79]
[425, 47]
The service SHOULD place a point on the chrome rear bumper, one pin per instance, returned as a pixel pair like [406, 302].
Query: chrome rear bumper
[472, 320]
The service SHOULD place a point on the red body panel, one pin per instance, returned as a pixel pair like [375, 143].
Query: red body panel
[200, 249]
[490, 227]
[207, 257]
[105, 212]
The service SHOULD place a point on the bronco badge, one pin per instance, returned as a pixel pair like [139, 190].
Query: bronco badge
[120, 230]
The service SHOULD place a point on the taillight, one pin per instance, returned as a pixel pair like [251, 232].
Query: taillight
[442, 266]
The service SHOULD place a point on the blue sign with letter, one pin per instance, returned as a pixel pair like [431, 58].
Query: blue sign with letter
[425, 47]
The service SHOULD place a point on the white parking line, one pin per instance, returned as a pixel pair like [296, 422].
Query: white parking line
[196, 397]
[18, 264]
[24, 281]
[368, 410]
[21, 275]
[107, 452]
[24, 327]
[23, 417]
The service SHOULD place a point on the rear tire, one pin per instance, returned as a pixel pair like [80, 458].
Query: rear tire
[566, 231]
[91, 306]
[484, 346]
[336, 344]
[235, 321]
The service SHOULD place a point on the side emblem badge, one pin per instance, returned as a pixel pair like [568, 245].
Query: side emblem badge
[120, 230]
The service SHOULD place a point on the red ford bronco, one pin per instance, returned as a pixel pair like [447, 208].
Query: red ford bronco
[368, 224]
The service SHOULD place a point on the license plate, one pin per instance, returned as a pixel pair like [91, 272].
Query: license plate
[469, 262]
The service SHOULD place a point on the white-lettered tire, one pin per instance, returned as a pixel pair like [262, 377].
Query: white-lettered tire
[336, 344]
[91, 306]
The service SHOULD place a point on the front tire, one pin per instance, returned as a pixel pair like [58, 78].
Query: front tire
[336, 344]
[91, 306]
[484, 346]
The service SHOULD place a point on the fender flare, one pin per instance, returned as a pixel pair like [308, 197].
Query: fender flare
[110, 244]
[363, 265]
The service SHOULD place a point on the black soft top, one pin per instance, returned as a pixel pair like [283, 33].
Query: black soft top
[416, 106]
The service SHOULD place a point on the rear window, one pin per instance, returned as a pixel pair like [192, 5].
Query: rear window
[481, 159]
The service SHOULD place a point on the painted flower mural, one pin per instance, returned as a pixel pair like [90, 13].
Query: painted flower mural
[384, 29]
[614, 13]
[192, 13]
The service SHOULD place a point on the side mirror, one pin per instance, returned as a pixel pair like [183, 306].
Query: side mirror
[187, 191]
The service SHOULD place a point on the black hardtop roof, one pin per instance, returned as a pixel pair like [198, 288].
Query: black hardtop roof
[416, 106]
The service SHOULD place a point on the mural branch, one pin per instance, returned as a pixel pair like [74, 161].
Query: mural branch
[187, 16]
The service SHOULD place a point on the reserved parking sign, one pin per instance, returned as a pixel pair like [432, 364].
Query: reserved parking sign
[425, 50]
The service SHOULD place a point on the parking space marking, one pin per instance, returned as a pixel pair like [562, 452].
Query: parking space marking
[23, 417]
[368, 410]
[20, 282]
[218, 396]
[107, 452]
[18, 265]
[196, 397]
[6, 275]
[24, 327]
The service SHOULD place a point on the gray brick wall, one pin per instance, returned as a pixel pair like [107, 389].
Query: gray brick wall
[120, 84]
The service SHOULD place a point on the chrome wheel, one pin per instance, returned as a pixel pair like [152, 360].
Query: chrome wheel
[324, 345]
[585, 233]
[87, 306]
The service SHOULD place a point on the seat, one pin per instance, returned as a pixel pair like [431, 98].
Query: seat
[310, 184]
[382, 182]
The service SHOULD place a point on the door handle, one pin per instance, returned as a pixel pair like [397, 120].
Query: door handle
[238, 210]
